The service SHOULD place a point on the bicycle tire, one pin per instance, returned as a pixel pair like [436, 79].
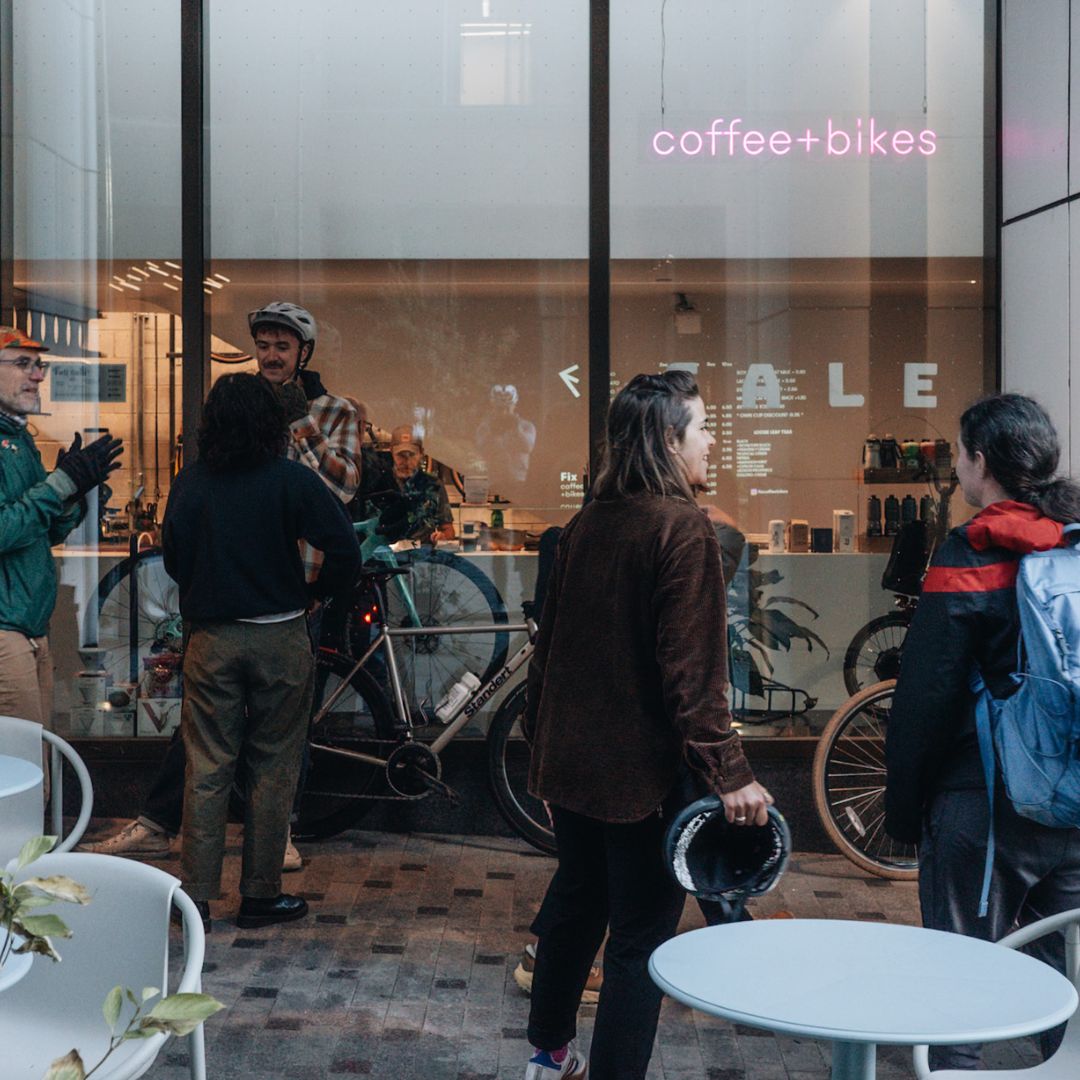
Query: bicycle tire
[337, 789]
[508, 771]
[447, 590]
[874, 653]
[849, 786]
[108, 618]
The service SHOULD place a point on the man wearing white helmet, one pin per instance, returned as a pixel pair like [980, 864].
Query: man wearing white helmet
[325, 429]
[325, 435]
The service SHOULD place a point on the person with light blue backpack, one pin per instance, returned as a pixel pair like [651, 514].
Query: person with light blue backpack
[993, 649]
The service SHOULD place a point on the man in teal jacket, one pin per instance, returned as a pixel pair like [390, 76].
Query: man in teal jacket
[37, 510]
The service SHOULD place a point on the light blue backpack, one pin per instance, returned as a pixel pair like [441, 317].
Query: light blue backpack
[1034, 735]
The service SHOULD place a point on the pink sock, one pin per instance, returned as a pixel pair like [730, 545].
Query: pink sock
[558, 1056]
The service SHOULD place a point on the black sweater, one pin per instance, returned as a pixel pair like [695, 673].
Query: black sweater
[230, 540]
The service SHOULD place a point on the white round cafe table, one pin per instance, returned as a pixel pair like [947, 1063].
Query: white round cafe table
[17, 775]
[15, 967]
[858, 984]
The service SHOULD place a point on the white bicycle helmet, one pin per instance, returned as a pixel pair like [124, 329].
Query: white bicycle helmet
[293, 317]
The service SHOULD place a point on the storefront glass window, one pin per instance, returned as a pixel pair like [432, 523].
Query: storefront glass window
[418, 181]
[95, 189]
[798, 217]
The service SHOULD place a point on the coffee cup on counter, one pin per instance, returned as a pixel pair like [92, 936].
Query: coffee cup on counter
[777, 536]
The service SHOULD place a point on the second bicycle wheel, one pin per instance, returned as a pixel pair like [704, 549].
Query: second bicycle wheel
[337, 787]
[874, 653]
[446, 590]
[508, 773]
[849, 785]
[135, 586]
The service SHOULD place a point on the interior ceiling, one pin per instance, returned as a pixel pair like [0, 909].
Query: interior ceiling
[236, 285]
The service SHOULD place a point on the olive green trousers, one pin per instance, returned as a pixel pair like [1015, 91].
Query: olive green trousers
[247, 699]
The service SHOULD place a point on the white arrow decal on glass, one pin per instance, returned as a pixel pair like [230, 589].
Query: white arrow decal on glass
[571, 379]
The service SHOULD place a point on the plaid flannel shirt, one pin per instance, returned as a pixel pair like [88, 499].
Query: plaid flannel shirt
[328, 441]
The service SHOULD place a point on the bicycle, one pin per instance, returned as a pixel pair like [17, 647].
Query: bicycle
[849, 785]
[361, 735]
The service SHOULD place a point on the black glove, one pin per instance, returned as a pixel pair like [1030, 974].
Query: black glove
[292, 397]
[76, 444]
[90, 465]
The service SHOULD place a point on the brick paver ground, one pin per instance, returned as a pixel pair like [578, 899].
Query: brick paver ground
[404, 968]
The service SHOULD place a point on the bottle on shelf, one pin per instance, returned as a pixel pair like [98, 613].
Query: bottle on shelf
[909, 453]
[456, 696]
[892, 515]
[496, 518]
[927, 509]
[873, 516]
[908, 509]
[872, 453]
[890, 452]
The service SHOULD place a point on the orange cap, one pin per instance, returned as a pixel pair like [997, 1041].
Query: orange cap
[10, 338]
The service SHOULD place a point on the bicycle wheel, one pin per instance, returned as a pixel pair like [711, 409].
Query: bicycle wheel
[446, 591]
[874, 653]
[849, 785]
[108, 621]
[508, 775]
[337, 787]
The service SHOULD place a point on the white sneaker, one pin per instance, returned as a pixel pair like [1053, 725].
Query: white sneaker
[133, 839]
[542, 1065]
[292, 860]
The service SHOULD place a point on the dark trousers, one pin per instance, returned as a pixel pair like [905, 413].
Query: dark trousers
[1036, 873]
[609, 878]
[163, 807]
[247, 696]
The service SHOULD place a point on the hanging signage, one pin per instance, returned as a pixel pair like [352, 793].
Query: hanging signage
[104, 383]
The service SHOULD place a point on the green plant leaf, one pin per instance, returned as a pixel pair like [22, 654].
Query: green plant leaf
[790, 600]
[114, 1002]
[44, 926]
[58, 887]
[33, 849]
[68, 1067]
[32, 901]
[180, 1013]
[149, 992]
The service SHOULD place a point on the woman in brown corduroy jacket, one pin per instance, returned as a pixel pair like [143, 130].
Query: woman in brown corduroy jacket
[628, 683]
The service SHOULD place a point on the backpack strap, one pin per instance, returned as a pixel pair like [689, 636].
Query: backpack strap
[986, 752]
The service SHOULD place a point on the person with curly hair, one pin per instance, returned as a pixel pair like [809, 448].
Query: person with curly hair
[230, 540]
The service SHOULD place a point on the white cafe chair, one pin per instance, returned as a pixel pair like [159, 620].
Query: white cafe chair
[22, 816]
[121, 938]
[1064, 1064]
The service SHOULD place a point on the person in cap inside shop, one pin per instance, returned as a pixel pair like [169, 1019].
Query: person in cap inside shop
[429, 507]
[37, 510]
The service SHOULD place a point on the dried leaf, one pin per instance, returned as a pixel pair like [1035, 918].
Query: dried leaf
[58, 887]
[69, 1067]
[180, 1013]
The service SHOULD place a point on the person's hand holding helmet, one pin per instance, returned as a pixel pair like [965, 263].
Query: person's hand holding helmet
[293, 400]
[89, 466]
[748, 805]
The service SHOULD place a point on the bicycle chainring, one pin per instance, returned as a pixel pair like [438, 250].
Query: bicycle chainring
[408, 768]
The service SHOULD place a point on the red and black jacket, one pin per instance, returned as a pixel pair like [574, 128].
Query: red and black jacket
[966, 616]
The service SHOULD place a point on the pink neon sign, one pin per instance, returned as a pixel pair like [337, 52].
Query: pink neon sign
[731, 138]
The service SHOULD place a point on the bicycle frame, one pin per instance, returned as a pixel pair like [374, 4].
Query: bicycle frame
[374, 550]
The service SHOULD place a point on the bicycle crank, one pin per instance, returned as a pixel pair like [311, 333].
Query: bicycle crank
[412, 770]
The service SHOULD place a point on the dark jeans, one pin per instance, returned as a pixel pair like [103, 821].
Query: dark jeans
[1036, 873]
[247, 697]
[163, 807]
[609, 877]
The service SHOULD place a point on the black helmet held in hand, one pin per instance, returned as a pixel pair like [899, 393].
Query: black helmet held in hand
[716, 860]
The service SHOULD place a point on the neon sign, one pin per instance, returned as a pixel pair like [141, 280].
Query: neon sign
[731, 138]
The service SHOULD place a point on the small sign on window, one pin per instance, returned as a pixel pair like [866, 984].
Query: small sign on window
[88, 382]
